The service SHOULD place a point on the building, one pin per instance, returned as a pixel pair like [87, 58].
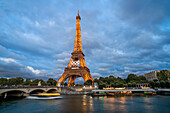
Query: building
[151, 76]
[142, 85]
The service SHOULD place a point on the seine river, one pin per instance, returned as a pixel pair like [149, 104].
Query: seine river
[88, 104]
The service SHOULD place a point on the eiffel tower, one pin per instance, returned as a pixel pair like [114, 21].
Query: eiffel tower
[77, 66]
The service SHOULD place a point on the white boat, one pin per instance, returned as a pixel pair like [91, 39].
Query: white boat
[43, 98]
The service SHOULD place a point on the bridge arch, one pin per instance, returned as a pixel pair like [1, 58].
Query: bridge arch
[52, 90]
[13, 93]
[35, 91]
[13, 90]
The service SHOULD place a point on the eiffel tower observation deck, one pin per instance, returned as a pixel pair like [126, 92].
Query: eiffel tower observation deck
[77, 66]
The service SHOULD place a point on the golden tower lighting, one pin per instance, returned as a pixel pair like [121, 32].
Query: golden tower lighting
[77, 66]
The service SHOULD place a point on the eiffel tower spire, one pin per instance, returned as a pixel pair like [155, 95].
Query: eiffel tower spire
[78, 42]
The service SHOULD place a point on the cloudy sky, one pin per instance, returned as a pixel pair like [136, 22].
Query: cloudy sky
[119, 36]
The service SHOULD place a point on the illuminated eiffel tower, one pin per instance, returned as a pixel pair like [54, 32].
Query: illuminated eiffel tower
[77, 66]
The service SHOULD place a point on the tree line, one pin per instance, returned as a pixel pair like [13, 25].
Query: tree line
[20, 81]
[132, 79]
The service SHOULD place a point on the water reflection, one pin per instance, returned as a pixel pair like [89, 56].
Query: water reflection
[148, 104]
[114, 103]
[88, 104]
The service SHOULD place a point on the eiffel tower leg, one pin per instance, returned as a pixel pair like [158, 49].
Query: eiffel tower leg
[87, 77]
[71, 80]
[61, 80]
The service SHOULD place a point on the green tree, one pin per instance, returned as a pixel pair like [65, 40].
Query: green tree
[142, 79]
[164, 75]
[131, 77]
[51, 81]
[19, 80]
[27, 82]
[101, 79]
[12, 81]
[162, 84]
[88, 82]
[65, 84]
[129, 85]
[167, 84]
[36, 81]
[157, 84]
[3, 81]
[152, 84]
[102, 85]
[97, 81]
[133, 84]
[111, 77]
[106, 80]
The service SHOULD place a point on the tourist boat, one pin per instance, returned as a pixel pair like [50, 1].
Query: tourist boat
[45, 96]
[124, 92]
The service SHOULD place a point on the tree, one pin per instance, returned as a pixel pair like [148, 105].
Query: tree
[162, 84]
[164, 75]
[12, 81]
[133, 84]
[106, 80]
[157, 84]
[102, 85]
[51, 81]
[65, 84]
[19, 80]
[3, 81]
[97, 80]
[88, 82]
[36, 81]
[111, 77]
[27, 82]
[129, 85]
[131, 77]
[101, 78]
[167, 84]
[120, 80]
[152, 84]
[142, 79]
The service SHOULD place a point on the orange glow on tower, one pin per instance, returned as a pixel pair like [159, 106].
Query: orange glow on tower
[77, 66]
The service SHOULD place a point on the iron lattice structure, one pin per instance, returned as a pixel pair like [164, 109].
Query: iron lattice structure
[77, 66]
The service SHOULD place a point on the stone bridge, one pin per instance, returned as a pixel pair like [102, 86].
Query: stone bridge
[27, 90]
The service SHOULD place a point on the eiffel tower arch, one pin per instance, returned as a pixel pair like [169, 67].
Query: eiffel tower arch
[77, 66]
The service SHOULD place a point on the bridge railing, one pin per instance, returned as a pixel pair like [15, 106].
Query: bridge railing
[11, 87]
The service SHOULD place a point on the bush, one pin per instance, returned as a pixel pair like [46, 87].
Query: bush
[88, 82]
[163, 84]
[101, 86]
[157, 84]
[167, 84]
[152, 84]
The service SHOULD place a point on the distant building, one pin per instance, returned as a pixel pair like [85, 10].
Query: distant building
[142, 85]
[151, 76]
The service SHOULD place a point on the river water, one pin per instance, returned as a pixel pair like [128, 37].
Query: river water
[88, 104]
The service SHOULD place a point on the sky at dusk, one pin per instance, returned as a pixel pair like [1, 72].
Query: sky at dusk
[119, 37]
